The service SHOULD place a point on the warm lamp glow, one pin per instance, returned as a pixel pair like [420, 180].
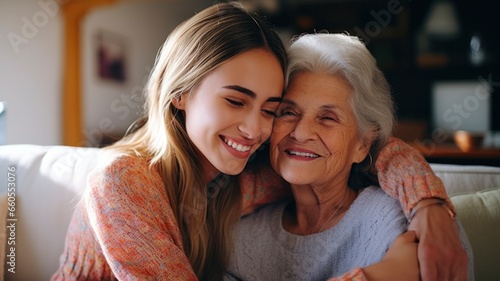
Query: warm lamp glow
[442, 19]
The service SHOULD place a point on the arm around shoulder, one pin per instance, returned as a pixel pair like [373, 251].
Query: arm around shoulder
[260, 185]
[404, 174]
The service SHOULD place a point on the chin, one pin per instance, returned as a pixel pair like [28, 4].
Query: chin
[232, 172]
[293, 177]
[232, 168]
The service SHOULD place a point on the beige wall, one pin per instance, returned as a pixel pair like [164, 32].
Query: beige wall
[30, 71]
[31, 53]
[110, 107]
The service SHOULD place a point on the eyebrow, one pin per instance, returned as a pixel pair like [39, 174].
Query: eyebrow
[242, 90]
[274, 99]
[326, 106]
[288, 101]
[250, 93]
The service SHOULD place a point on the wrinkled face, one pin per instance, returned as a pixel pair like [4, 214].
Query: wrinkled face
[314, 141]
[231, 112]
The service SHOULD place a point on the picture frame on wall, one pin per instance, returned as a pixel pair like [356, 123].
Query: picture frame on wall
[111, 56]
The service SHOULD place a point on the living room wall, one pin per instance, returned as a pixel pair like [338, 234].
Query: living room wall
[31, 65]
[110, 105]
[30, 71]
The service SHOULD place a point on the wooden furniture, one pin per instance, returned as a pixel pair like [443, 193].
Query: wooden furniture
[450, 154]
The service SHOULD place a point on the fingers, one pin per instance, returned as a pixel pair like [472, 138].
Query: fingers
[441, 254]
[428, 268]
[458, 271]
[452, 264]
[439, 262]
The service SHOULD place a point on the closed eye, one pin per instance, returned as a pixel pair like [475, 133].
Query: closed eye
[287, 115]
[234, 102]
[269, 113]
[327, 118]
[286, 112]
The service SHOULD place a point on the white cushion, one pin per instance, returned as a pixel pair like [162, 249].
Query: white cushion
[479, 213]
[467, 178]
[49, 182]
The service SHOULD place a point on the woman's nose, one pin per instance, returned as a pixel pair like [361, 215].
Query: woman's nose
[251, 126]
[304, 130]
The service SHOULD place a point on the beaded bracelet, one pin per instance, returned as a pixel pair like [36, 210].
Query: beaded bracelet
[428, 203]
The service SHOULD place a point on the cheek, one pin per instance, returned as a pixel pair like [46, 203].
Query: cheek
[266, 128]
[200, 124]
[193, 123]
[274, 155]
[280, 129]
[342, 145]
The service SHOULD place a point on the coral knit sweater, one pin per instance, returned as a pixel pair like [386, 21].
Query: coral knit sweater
[125, 229]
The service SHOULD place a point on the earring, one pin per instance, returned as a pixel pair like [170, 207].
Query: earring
[371, 160]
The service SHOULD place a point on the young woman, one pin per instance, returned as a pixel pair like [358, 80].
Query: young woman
[163, 204]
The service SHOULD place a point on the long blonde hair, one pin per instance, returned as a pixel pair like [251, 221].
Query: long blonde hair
[191, 51]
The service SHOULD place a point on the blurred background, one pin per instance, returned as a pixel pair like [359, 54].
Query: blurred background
[72, 71]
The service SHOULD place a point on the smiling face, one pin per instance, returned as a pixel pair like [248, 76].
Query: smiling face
[314, 141]
[231, 112]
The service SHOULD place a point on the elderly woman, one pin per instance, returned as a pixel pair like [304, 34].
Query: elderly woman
[336, 115]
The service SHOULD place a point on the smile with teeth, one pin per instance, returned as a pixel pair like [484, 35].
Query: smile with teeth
[238, 147]
[302, 154]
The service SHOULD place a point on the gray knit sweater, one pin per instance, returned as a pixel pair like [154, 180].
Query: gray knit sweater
[263, 250]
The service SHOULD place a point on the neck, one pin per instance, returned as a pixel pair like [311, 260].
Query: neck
[321, 212]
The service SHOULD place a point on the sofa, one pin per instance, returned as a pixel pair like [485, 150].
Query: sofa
[42, 184]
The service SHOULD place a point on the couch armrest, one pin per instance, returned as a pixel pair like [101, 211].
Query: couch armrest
[49, 181]
[479, 213]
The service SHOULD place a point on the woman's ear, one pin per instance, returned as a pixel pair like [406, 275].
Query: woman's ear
[363, 148]
[179, 102]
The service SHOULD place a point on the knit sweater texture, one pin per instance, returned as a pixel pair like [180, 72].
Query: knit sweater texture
[264, 250]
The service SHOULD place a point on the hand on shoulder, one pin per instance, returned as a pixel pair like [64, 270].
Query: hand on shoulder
[399, 263]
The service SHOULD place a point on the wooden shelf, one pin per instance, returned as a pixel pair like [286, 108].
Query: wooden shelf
[449, 153]
[452, 151]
